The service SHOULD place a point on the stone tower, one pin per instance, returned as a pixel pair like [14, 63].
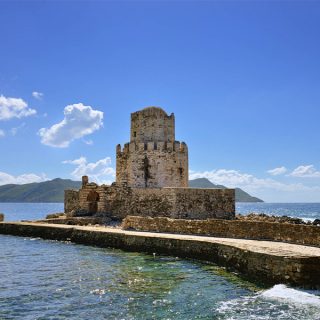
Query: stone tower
[152, 158]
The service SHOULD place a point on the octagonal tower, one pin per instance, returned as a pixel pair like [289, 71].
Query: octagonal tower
[152, 158]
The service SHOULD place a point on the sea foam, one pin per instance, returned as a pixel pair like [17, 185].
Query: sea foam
[282, 292]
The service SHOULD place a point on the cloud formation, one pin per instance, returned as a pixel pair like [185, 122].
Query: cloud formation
[2, 133]
[277, 171]
[268, 189]
[79, 120]
[100, 171]
[37, 95]
[14, 108]
[6, 178]
[308, 171]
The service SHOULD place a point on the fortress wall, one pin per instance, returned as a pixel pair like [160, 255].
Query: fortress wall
[153, 164]
[71, 200]
[257, 230]
[173, 202]
[204, 203]
[119, 201]
[135, 201]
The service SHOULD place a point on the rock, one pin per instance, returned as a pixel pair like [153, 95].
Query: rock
[54, 215]
[1, 217]
[266, 218]
[79, 213]
[316, 222]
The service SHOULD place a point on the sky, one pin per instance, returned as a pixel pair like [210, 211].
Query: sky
[241, 77]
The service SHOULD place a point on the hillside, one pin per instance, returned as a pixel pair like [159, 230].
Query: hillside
[241, 196]
[48, 191]
[53, 191]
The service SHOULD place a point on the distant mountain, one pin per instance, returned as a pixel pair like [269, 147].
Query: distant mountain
[47, 191]
[53, 190]
[241, 196]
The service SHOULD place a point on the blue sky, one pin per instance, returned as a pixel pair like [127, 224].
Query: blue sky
[243, 79]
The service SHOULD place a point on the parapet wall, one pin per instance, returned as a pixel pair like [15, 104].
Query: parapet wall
[284, 232]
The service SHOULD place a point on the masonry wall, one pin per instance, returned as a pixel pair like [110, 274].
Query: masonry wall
[258, 230]
[153, 164]
[120, 201]
[176, 203]
[152, 124]
[71, 200]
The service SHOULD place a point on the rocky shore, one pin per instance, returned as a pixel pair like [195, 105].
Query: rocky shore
[281, 219]
[249, 217]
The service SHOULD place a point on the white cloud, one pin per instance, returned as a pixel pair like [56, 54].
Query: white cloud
[308, 171]
[277, 171]
[2, 133]
[100, 171]
[14, 108]
[79, 120]
[37, 95]
[267, 189]
[6, 178]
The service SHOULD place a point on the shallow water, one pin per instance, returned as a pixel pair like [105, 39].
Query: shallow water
[42, 279]
[56, 280]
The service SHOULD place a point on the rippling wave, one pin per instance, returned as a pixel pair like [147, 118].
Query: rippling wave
[59, 280]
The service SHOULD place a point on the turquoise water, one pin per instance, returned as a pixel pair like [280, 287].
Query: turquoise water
[56, 280]
[42, 279]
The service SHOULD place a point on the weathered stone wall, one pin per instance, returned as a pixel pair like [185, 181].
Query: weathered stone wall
[120, 200]
[153, 165]
[152, 124]
[285, 232]
[152, 159]
[71, 200]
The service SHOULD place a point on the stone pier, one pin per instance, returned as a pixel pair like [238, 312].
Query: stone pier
[263, 261]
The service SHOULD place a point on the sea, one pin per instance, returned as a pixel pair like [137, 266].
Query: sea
[43, 279]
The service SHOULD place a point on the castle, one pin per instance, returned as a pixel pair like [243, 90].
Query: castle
[151, 178]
